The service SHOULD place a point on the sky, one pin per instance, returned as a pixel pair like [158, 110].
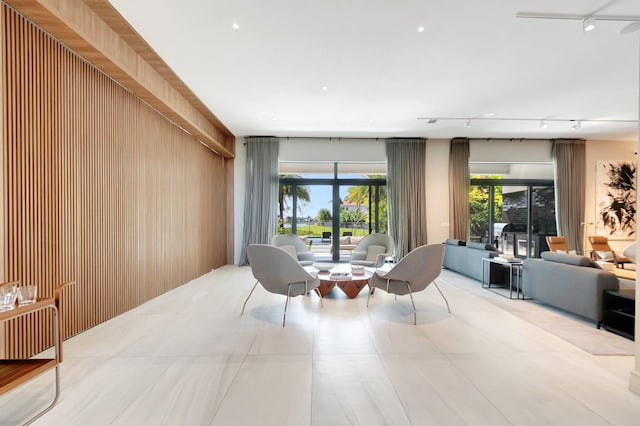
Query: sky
[321, 197]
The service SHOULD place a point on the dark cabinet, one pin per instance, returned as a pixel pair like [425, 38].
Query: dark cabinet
[619, 312]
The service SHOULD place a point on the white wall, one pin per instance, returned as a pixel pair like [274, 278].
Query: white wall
[437, 179]
[369, 150]
[507, 151]
[610, 151]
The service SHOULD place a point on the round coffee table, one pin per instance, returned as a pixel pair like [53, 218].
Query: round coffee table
[351, 285]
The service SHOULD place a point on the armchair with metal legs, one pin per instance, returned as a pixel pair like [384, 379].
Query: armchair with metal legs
[279, 273]
[413, 273]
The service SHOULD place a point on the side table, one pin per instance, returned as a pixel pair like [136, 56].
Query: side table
[619, 312]
[14, 372]
[512, 265]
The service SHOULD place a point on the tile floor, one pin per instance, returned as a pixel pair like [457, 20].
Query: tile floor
[188, 358]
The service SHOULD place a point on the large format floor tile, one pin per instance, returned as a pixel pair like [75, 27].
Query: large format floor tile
[189, 358]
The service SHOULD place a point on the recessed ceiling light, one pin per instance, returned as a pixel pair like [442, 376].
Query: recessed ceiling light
[325, 88]
[488, 114]
[235, 26]
[420, 28]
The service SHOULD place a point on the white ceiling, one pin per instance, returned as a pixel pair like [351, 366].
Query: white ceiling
[381, 74]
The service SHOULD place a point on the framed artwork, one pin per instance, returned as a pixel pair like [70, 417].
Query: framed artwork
[616, 199]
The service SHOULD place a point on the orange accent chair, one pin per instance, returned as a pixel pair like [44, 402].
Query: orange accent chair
[601, 251]
[557, 244]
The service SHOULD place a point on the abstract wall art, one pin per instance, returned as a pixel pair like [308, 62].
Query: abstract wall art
[616, 199]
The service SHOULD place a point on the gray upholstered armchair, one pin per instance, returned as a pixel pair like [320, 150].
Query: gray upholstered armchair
[293, 245]
[279, 273]
[372, 250]
[414, 273]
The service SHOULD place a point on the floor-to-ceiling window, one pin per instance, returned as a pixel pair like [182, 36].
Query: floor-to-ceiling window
[513, 215]
[329, 206]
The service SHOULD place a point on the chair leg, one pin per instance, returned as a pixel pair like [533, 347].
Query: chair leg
[369, 295]
[247, 299]
[284, 317]
[415, 321]
[320, 296]
[442, 294]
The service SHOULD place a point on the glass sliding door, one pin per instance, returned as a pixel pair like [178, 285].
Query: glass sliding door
[515, 216]
[327, 212]
[515, 213]
[479, 196]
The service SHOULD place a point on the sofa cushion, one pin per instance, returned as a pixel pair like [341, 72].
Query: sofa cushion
[345, 240]
[481, 246]
[291, 250]
[569, 259]
[356, 240]
[454, 242]
[373, 251]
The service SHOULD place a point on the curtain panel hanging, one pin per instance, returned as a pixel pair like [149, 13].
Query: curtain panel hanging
[459, 188]
[261, 196]
[406, 193]
[569, 180]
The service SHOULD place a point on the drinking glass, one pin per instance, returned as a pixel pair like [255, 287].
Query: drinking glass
[8, 294]
[27, 294]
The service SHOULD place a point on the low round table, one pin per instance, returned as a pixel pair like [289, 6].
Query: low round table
[351, 285]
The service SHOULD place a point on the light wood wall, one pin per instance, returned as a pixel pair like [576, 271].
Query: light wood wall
[97, 188]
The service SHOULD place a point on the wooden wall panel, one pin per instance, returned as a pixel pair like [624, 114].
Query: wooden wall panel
[98, 188]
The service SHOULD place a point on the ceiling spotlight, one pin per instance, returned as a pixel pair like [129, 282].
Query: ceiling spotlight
[420, 29]
[589, 24]
[467, 123]
[325, 88]
[489, 114]
[575, 125]
[235, 26]
[543, 124]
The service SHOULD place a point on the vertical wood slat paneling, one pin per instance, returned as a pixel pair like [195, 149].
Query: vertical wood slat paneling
[97, 188]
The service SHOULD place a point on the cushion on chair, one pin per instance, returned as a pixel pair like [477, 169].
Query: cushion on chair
[345, 240]
[291, 250]
[606, 255]
[569, 259]
[374, 250]
[356, 240]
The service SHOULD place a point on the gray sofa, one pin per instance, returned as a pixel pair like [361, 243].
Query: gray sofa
[466, 259]
[569, 282]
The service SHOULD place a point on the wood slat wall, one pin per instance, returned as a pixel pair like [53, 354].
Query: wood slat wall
[96, 188]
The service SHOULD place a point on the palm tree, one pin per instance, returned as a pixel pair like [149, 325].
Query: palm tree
[286, 191]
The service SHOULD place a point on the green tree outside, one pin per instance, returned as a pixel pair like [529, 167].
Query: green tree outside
[286, 192]
[324, 215]
[479, 208]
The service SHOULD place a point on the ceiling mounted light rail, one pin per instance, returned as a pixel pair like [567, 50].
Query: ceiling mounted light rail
[588, 21]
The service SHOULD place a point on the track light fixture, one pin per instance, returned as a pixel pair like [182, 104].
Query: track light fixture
[543, 124]
[467, 123]
[589, 24]
[575, 124]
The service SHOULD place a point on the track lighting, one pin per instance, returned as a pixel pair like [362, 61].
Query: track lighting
[575, 125]
[543, 124]
[467, 123]
[589, 24]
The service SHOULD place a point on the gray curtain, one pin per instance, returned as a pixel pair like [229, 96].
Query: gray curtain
[261, 196]
[569, 177]
[406, 197]
[459, 189]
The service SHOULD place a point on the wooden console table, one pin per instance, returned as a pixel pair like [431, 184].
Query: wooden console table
[14, 372]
